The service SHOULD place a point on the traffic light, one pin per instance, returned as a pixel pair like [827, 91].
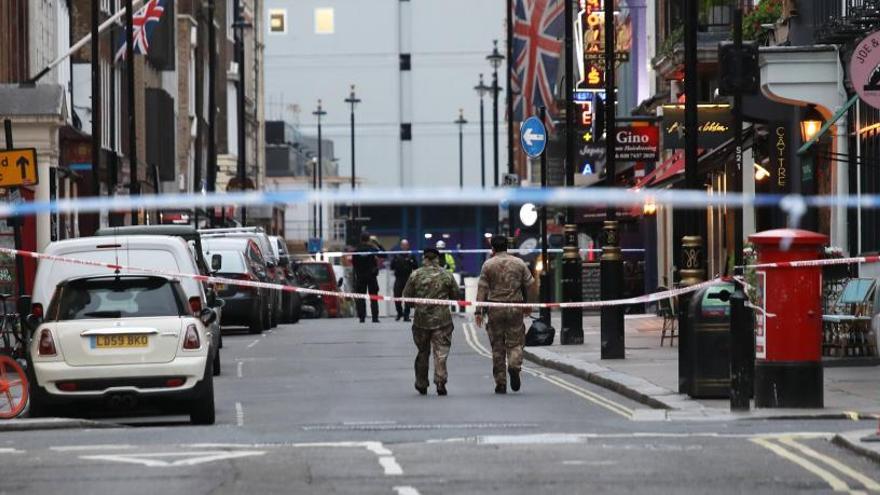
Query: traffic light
[739, 69]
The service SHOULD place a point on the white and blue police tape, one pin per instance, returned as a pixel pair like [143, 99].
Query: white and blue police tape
[597, 197]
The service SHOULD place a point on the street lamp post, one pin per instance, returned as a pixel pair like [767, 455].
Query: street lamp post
[352, 100]
[482, 90]
[495, 59]
[461, 122]
[320, 166]
[314, 162]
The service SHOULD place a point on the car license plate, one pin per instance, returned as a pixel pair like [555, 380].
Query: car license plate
[120, 341]
[220, 287]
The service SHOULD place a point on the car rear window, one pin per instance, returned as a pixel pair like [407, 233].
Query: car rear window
[317, 271]
[231, 262]
[123, 297]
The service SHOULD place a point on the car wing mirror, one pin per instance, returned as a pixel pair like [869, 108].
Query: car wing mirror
[284, 261]
[218, 303]
[207, 316]
[216, 262]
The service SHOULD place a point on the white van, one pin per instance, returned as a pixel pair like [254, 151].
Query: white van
[158, 252]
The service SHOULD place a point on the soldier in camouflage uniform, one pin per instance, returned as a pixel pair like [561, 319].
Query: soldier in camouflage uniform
[505, 278]
[432, 326]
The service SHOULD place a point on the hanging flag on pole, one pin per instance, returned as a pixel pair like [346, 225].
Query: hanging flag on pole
[145, 21]
[537, 32]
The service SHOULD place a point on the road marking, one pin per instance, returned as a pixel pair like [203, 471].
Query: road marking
[569, 438]
[406, 490]
[833, 481]
[589, 463]
[867, 482]
[390, 465]
[473, 340]
[10, 450]
[253, 343]
[188, 458]
[76, 448]
[238, 369]
[239, 414]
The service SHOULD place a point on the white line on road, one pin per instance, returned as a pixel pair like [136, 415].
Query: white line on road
[253, 343]
[239, 414]
[6, 450]
[76, 448]
[390, 465]
[406, 490]
[238, 369]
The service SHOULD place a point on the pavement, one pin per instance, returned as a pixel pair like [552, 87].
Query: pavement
[649, 375]
[328, 406]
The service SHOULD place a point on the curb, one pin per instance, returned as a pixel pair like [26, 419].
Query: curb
[633, 388]
[52, 424]
[656, 397]
[843, 440]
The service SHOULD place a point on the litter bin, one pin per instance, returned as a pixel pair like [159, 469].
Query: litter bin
[710, 342]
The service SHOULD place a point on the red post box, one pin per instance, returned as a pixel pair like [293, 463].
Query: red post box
[788, 337]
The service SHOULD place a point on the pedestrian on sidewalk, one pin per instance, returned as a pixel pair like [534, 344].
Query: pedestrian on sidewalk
[366, 269]
[403, 265]
[505, 278]
[432, 325]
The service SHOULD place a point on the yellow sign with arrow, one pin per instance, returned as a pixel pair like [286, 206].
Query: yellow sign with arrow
[18, 167]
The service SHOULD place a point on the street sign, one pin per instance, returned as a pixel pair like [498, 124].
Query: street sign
[18, 167]
[533, 137]
[315, 244]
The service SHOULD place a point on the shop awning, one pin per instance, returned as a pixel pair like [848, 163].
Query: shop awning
[667, 170]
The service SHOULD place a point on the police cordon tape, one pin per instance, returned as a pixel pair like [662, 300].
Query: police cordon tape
[339, 254]
[656, 296]
[794, 205]
[815, 263]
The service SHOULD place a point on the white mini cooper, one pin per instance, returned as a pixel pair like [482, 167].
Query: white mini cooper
[114, 341]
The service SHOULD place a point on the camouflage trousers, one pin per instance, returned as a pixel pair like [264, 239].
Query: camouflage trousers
[507, 334]
[440, 339]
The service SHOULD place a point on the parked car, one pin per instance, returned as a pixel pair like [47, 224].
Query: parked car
[273, 271]
[323, 275]
[291, 301]
[143, 251]
[241, 259]
[122, 339]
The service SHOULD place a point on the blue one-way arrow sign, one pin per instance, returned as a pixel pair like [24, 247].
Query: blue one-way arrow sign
[533, 137]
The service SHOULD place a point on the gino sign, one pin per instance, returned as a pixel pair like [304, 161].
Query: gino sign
[864, 69]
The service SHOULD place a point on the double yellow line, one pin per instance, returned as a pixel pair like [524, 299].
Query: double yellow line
[473, 340]
[830, 470]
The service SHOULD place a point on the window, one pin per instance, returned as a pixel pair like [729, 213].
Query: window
[406, 132]
[121, 297]
[324, 23]
[278, 21]
[405, 62]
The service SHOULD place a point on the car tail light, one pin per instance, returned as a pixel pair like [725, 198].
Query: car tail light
[195, 304]
[37, 310]
[174, 382]
[191, 340]
[67, 386]
[47, 344]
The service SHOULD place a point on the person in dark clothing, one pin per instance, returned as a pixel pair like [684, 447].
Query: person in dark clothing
[366, 269]
[403, 265]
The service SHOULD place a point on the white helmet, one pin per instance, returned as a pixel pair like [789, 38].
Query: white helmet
[441, 245]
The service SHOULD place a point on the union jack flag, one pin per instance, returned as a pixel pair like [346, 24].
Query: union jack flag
[144, 22]
[538, 26]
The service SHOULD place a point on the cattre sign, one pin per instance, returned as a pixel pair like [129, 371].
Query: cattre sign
[864, 69]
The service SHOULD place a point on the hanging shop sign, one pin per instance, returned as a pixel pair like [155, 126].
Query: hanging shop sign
[778, 147]
[591, 158]
[639, 142]
[589, 32]
[864, 69]
[714, 126]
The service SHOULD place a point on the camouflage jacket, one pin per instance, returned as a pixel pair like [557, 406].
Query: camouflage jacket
[431, 282]
[504, 278]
